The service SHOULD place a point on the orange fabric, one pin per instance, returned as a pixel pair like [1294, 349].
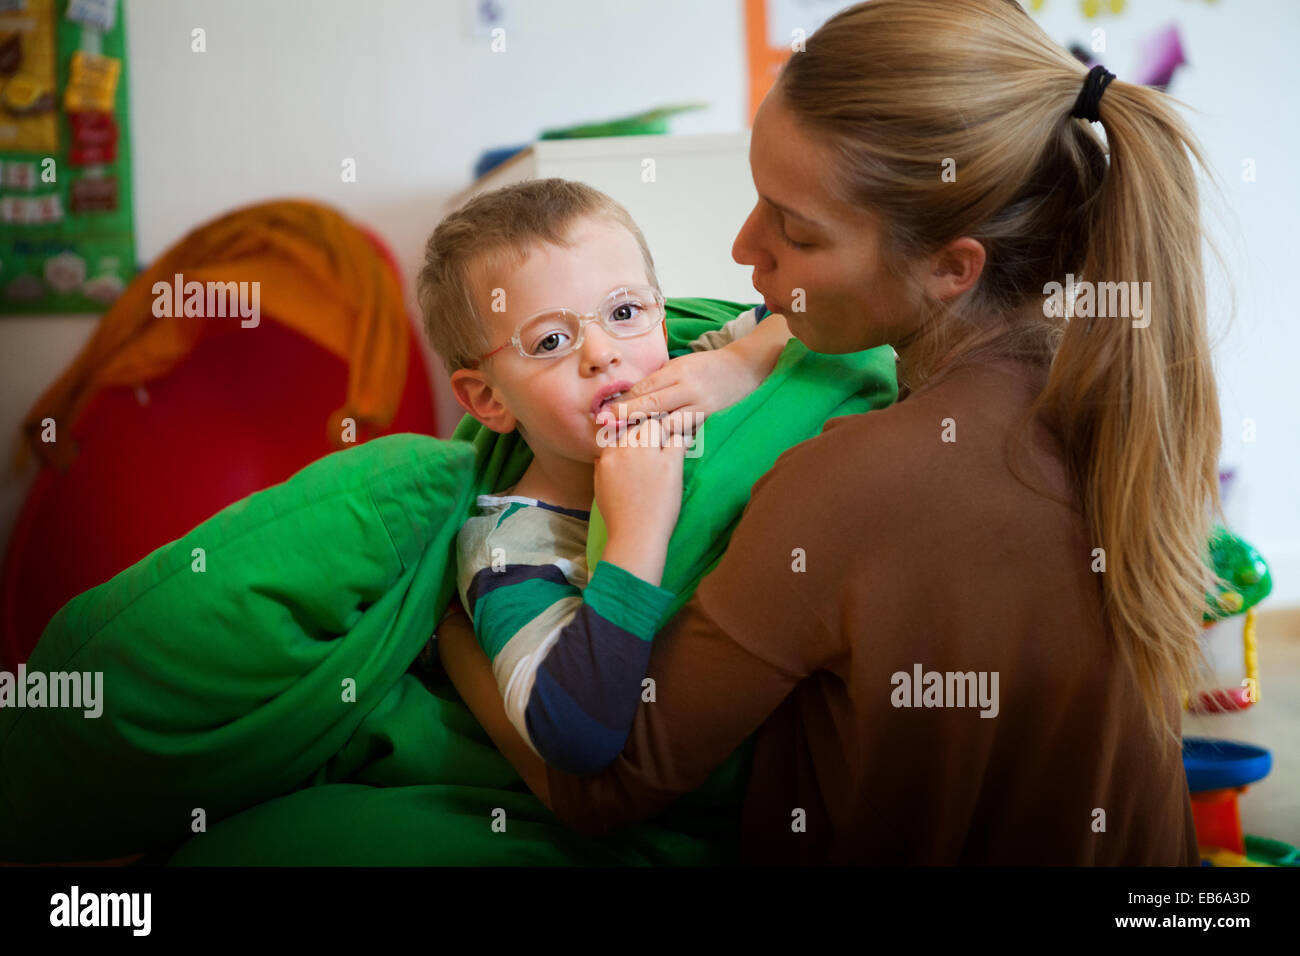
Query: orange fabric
[319, 274]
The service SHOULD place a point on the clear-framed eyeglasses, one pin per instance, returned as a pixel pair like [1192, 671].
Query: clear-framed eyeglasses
[625, 313]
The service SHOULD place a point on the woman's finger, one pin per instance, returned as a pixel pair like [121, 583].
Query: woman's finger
[655, 380]
[661, 401]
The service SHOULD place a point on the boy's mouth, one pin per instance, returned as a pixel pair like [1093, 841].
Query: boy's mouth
[608, 394]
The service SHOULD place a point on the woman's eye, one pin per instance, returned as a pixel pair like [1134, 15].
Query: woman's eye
[785, 237]
[793, 244]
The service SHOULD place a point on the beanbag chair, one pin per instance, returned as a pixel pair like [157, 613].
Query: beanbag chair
[261, 707]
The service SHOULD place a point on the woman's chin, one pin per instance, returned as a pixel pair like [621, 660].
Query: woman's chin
[803, 332]
[813, 339]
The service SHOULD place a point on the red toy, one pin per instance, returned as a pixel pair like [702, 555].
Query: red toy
[244, 410]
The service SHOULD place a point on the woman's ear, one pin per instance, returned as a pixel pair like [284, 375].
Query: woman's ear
[478, 397]
[955, 268]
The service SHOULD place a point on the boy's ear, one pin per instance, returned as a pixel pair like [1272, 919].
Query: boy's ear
[477, 396]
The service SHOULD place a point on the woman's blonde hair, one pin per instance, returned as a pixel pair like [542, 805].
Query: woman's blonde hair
[906, 90]
[497, 230]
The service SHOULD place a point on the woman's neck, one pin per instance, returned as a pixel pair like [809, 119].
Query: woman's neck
[1018, 339]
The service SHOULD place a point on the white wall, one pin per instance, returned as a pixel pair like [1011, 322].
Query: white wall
[1239, 84]
[288, 88]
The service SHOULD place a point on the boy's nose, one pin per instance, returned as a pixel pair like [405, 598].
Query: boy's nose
[599, 348]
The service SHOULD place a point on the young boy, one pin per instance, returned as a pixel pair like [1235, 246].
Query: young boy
[504, 282]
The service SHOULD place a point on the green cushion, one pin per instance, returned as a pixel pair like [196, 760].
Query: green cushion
[245, 630]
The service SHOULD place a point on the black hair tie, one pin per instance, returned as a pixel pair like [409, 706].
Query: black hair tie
[1085, 107]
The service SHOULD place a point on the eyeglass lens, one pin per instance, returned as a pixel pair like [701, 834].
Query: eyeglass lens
[624, 314]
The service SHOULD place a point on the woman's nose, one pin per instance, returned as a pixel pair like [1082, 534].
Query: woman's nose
[746, 250]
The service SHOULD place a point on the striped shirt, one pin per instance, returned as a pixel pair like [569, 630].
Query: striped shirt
[569, 648]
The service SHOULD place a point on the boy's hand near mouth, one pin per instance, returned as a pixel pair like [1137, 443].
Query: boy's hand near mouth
[638, 486]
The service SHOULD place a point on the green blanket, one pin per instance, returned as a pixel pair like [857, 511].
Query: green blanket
[224, 737]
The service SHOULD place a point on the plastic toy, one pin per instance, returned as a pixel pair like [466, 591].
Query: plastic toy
[1244, 581]
[1219, 771]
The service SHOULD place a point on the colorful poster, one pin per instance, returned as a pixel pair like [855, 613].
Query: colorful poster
[66, 235]
[773, 30]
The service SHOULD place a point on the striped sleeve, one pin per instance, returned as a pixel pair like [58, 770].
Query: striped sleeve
[569, 662]
[738, 327]
[587, 689]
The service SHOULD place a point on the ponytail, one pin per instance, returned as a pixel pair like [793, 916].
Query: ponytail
[1133, 397]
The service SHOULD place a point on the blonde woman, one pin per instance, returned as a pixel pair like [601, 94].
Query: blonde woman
[957, 627]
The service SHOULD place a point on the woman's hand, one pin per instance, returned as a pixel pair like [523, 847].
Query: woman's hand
[688, 389]
[692, 387]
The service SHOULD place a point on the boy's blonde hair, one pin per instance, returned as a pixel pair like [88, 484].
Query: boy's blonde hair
[495, 230]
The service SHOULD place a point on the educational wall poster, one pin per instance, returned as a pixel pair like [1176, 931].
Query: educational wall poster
[66, 235]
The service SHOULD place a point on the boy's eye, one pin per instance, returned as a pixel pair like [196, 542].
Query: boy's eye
[548, 343]
[624, 312]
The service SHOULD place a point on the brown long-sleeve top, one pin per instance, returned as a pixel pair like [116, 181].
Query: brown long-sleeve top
[900, 560]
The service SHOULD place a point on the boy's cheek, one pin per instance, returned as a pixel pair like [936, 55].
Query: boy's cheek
[663, 354]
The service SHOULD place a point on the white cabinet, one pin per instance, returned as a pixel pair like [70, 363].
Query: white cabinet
[690, 210]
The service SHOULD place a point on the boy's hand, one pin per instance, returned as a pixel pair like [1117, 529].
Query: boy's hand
[638, 486]
[689, 386]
